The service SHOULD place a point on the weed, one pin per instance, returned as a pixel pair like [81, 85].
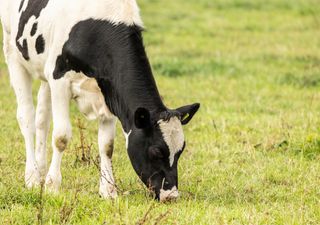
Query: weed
[40, 205]
[67, 208]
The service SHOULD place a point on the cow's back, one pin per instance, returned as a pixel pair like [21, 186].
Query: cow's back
[39, 28]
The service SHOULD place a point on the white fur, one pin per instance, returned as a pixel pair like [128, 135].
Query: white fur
[88, 96]
[127, 135]
[22, 85]
[60, 95]
[173, 136]
[166, 195]
[43, 118]
[106, 138]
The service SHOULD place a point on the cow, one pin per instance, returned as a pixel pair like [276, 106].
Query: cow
[91, 52]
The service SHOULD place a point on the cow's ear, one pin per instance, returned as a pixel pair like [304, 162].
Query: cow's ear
[142, 118]
[187, 112]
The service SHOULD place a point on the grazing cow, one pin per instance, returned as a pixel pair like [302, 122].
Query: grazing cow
[91, 52]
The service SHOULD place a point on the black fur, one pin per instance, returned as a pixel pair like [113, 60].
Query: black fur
[21, 5]
[115, 56]
[24, 49]
[40, 44]
[33, 8]
[34, 29]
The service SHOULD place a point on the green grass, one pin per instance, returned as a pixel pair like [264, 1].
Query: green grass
[253, 150]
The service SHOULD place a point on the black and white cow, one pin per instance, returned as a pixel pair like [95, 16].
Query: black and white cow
[92, 52]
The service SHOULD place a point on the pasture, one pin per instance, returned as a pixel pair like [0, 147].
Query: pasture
[253, 149]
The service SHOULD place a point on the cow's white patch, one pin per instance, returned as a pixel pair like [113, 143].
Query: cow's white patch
[54, 178]
[62, 132]
[32, 175]
[43, 119]
[127, 135]
[124, 11]
[166, 195]
[106, 137]
[172, 133]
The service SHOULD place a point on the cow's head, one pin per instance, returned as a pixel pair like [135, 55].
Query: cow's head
[155, 145]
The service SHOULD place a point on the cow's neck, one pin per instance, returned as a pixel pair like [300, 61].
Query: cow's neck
[128, 83]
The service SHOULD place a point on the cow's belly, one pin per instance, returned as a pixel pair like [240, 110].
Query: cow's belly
[88, 97]
[35, 68]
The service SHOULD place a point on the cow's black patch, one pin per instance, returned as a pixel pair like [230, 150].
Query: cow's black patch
[33, 8]
[21, 5]
[40, 44]
[34, 29]
[24, 49]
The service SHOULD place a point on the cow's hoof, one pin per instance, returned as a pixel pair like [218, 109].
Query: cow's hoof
[32, 178]
[53, 183]
[109, 192]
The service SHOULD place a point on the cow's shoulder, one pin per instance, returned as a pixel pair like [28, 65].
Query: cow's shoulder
[93, 47]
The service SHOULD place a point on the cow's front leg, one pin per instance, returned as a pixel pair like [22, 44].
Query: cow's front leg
[43, 118]
[22, 85]
[106, 142]
[60, 96]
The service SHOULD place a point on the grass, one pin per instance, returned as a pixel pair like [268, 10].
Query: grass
[253, 150]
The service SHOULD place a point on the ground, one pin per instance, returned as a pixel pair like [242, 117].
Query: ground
[253, 150]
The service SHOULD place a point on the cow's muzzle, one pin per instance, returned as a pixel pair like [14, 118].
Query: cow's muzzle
[168, 195]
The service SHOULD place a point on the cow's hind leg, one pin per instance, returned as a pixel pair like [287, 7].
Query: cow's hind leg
[43, 118]
[21, 82]
[106, 142]
[60, 96]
